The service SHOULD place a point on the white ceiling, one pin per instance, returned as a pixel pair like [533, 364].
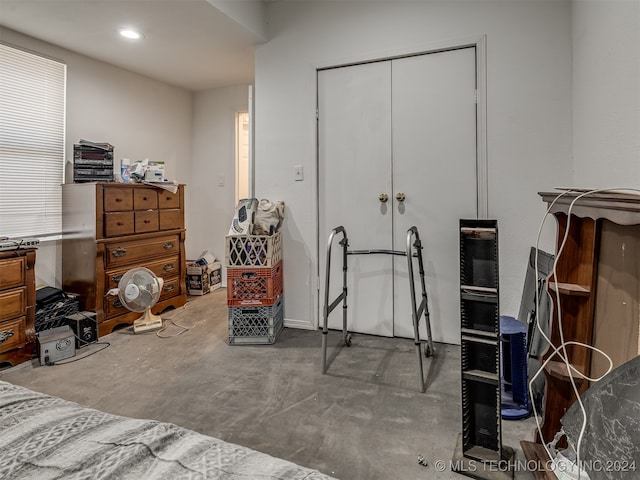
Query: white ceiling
[194, 44]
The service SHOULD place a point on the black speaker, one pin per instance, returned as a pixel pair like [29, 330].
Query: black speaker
[84, 326]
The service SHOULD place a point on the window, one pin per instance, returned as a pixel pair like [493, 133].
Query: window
[32, 131]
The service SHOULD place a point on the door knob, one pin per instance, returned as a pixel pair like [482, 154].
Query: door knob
[400, 196]
[383, 197]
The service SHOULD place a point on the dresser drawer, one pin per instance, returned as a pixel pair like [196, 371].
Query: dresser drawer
[145, 198]
[146, 221]
[168, 200]
[170, 219]
[165, 268]
[118, 199]
[114, 307]
[13, 333]
[170, 288]
[13, 303]
[117, 224]
[12, 273]
[125, 253]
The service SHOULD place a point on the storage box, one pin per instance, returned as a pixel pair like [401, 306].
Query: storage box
[256, 325]
[253, 250]
[154, 172]
[215, 277]
[202, 279]
[254, 286]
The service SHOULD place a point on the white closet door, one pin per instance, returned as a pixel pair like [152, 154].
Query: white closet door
[354, 141]
[434, 165]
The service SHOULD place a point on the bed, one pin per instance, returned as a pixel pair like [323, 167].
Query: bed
[44, 437]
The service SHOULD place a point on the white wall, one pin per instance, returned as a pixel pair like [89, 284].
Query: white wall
[141, 117]
[606, 93]
[528, 113]
[211, 206]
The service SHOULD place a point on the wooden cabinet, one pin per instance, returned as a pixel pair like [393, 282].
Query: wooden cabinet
[17, 306]
[597, 293]
[110, 228]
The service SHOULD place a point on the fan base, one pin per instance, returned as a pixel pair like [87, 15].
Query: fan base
[147, 323]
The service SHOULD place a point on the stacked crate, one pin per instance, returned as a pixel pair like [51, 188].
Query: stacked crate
[53, 313]
[254, 288]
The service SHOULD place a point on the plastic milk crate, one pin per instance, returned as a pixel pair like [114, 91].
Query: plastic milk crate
[256, 325]
[55, 314]
[254, 286]
[253, 250]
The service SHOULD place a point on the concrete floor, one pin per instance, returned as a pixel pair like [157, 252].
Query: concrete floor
[364, 419]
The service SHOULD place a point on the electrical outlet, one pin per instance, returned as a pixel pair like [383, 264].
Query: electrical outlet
[298, 173]
[221, 181]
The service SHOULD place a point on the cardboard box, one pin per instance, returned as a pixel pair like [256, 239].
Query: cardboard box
[215, 276]
[202, 279]
[197, 279]
[154, 172]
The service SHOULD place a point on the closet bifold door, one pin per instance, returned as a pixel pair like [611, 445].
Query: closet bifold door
[354, 171]
[396, 149]
[480, 340]
[434, 168]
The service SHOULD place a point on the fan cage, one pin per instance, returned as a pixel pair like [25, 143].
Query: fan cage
[127, 279]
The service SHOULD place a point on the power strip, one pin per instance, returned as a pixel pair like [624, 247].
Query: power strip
[18, 243]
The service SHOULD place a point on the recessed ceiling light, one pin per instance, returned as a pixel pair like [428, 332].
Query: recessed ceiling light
[131, 34]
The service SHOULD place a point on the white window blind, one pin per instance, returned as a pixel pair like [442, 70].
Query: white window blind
[32, 131]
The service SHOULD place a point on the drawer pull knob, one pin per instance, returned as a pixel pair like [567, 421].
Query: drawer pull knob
[117, 303]
[118, 199]
[168, 245]
[4, 336]
[147, 220]
[116, 278]
[119, 252]
[119, 224]
[168, 267]
[144, 198]
[169, 288]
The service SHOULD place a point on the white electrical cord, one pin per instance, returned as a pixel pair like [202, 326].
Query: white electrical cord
[563, 344]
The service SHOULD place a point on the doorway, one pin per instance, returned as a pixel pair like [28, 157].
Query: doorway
[397, 147]
[242, 161]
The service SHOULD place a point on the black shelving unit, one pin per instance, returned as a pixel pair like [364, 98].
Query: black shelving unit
[481, 438]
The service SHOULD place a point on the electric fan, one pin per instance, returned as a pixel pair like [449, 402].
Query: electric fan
[139, 289]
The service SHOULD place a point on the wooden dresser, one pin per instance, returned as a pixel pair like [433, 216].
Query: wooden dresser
[109, 228]
[598, 277]
[17, 306]
[598, 295]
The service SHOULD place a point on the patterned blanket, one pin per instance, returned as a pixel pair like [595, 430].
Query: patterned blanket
[43, 437]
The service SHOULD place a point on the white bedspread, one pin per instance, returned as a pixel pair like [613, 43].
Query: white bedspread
[43, 437]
